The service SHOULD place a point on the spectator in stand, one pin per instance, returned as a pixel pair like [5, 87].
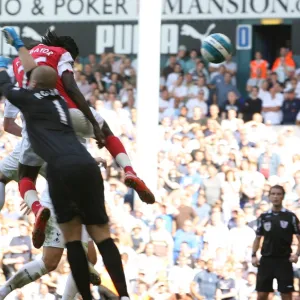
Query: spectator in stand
[162, 240]
[206, 284]
[78, 67]
[99, 81]
[149, 262]
[93, 62]
[285, 54]
[212, 186]
[268, 162]
[200, 71]
[181, 56]
[201, 86]
[216, 232]
[190, 64]
[116, 61]
[185, 212]
[160, 291]
[249, 287]
[138, 241]
[113, 80]
[203, 210]
[231, 67]
[141, 291]
[214, 69]
[226, 285]
[173, 77]
[88, 72]
[232, 123]
[258, 67]
[189, 83]
[214, 112]
[271, 107]
[84, 86]
[255, 82]
[223, 88]
[232, 103]
[273, 81]
[198, 101]
[170, 67]
[241, 238]
[283, 70]
[187, 235]
[10, 213]
[19, 251]
[178, 91]
[263, 90]
[127, 68]
[198, 117]
[180, 276]
[252, 105]
[219, 76]
[244, 139]
[166, 105]
[294, 84]
[230, 193]
[290, 107]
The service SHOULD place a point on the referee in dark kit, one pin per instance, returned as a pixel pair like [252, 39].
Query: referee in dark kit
[277, 226]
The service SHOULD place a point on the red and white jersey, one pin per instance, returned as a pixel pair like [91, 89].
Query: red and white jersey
[55, 57]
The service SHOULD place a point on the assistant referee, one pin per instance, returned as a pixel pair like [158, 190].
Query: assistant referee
[277, 226]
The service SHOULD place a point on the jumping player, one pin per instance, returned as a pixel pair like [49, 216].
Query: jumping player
[59, 52]
[75, 182]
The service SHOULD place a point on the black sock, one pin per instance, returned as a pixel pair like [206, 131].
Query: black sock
[79, 266]
[113, 263]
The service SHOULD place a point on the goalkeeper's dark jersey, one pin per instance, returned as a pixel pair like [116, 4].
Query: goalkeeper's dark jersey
[47, 121]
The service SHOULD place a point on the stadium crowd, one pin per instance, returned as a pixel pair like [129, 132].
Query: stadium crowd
[219, 155]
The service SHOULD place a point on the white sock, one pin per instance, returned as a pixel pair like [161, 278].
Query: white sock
[30, 197]
[28, 273]
[70, 289]
[123, 160]
[2, 195]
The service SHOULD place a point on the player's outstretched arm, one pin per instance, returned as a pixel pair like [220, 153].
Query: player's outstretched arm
[74, 93]
[13, 39]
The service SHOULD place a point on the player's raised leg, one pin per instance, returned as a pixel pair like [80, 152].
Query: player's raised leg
[117, 150]
[27, 178]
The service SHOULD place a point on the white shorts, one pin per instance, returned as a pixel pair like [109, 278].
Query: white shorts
[9, 165]
[27, 155]
[54, 237]
[82, 127]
